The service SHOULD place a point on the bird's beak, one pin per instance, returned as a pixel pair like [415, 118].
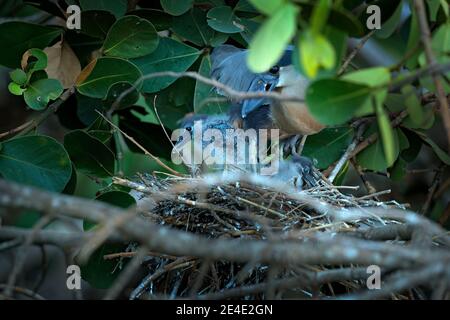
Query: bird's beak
[289, 77]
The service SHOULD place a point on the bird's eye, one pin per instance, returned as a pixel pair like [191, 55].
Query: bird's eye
[189, 129]
[274, 69]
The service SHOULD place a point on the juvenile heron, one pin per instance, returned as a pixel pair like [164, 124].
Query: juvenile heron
[292, 118]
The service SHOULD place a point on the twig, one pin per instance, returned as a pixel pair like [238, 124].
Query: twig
[52, 108]
[431, 191]
[345, 157]
[24, 291]
[425, 37]
[329, 250]
[15, 130]
[162, 164]
[231, 93]
[354, 52]
[179, 263]
[126, 275]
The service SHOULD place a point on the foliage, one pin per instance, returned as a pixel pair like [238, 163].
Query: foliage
[117, 46]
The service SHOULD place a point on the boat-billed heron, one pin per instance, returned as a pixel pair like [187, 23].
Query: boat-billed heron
[228, 66]
[297, 171]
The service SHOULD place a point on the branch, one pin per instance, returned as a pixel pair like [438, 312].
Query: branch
[49, 111]
[327, 250]
[425, 37]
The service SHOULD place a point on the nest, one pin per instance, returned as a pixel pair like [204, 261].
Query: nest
[248, 209]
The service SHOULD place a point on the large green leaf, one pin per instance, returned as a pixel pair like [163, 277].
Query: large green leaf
[89, 154]
[328, 145]
[18, 37]
[334, 102]
[176, 7]
[223, 19]
[269, 43]
[116, 7]
[160, 19]
[131, 37]
[104, 72]
[96, 23]
[267, 6]
[35, 160]
[170, 55]
[445, 158]
[39, 93]
[193, 27]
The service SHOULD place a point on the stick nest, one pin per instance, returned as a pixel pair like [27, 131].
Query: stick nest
[250, 209]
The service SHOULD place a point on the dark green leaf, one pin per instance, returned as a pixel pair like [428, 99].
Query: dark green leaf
[193, 27]
[89, 154]
[96, 23]
[18, 37]
[116, 90]
[35, 160]
[104, 72]
[223, 19]
[437, 150]
[176, 7]
[159, 19]
[131, 37]
[170, 55]
[334, 102]
[328, 145]
[116, 7]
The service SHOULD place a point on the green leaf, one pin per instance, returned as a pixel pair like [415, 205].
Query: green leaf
[373, 158]
[413, 40]
[18, 76]
[204, 91]
[315, 52]
[334, 102]
[116, 7]
[35, 160]
[224, 20]
[131, 37]
[160, 20]
[437, 150]
[270, 41]
[320, 15]
[104, 73]
[328, 145]
[176, 7]
[193, 27]
[372, 77]
[116, 90]
[15, 89]
[267, 6]
[170, 55]
[39, 93]
[96, 23]
[390, 144]
[18, 37]
[413, 105]
[89, 154]
[390, 25]
[39, 61]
